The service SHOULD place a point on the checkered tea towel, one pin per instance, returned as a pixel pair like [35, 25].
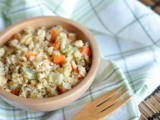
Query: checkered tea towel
[128, 35]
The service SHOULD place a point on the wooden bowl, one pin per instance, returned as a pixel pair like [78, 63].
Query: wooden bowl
[59, 101]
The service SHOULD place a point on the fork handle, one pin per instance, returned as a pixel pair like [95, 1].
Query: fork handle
[1, 33]
[80, 117]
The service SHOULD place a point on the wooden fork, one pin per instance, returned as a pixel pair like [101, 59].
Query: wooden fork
[103, 106]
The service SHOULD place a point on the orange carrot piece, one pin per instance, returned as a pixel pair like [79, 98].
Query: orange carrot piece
[54, 34]
[50, 59]
[76, 70]
[61, 90]
[29, 54]
[15, 92]
[59, 59]
[15, 36]
[56, 45]
[86, 50]
[81, 78]
[72, 37]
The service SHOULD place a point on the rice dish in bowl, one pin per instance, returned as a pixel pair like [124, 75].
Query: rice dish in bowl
[43, 63]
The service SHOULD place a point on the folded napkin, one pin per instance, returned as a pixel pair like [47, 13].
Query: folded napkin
[127, 33]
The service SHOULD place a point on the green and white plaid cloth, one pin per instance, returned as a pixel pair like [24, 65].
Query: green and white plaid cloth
[127, 32]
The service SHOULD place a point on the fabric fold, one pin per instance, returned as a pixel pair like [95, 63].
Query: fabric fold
[127, 33]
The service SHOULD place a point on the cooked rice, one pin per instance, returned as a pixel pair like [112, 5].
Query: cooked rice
[27, 66]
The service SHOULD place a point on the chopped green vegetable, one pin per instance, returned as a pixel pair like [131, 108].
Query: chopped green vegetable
[29, 73]
[56, 78]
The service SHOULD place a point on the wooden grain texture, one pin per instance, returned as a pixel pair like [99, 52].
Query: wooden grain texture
[150, 107]
[153, 4]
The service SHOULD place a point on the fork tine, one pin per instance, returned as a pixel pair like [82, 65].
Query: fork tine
[111, 109]
[107, 96]
[111, 101]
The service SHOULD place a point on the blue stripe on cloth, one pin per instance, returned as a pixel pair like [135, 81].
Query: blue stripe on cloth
[10, 109]
[20, 10]
[51, 9]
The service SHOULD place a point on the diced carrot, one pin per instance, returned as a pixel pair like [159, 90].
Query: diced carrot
[74, 85]
[15, 92]
[81, 78]
[31, 54]
[61, 90]
[75, 69]
[86, 50]
[15, 36]
[50, 59]
[22, 32]
[59, 59]
[54, 34]
[72, 37]
[56, 45]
